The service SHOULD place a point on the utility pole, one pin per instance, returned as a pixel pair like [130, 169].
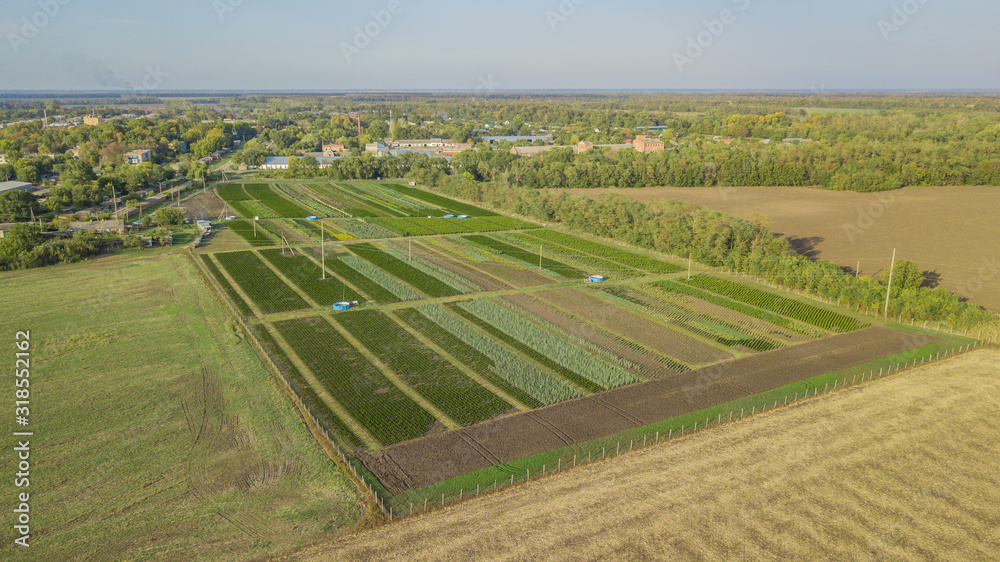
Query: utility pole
[410, 240]
[690, 263]
[539, 257]
[858, 270]
[114, 199]
[322, 242]
[255, 227]
[888, 289]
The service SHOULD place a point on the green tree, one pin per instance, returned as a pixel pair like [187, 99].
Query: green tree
[169, 216]
[18, 205]
[20, 239]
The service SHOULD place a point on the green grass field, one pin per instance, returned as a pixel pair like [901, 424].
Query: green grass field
[158, 433]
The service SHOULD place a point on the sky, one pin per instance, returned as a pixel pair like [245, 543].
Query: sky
[478, 46]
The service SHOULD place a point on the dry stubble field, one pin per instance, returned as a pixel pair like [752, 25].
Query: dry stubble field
[900, 468]
[950, 231]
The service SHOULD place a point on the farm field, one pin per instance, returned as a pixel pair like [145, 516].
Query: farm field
[929, 225]
[913, 481]
[160, 435]
[465, 351]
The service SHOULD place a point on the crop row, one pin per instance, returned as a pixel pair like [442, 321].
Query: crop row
[370, 198]
[252, 208]
[713, 329]
[410, 206]
[822, 318]
[258, 282]
[525, 256]
[276, 202]
[453, 280]
[255, 237]
[362, 229]
[513, 368]
[375, 292]
[234, 296]
[618, 255]
[682, 289]
[333, 199]
[439, 201]
[463, 352]
[430, 375]
[577, 364]
[388, 414]
[422, 281]
[305, 391]
[594, 263]
[312, 204]
[307, 276]
[400, 290]
[231, 192]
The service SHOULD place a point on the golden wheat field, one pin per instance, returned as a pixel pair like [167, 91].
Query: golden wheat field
[898, 469]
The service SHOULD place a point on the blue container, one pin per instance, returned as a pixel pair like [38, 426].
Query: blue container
[342, 306]
[449, 216]
[596, 278]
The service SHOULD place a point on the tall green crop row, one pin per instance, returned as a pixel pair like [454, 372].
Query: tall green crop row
[510, 366]
[235, 297]
[305, 391]
[822, 318]
[431, 376]
[246, 230]
[400, 290]
[307, 276]
[422, 281]
[258, 282]
[578, 362]
[618, 255]
[524, 256]
[388, 414]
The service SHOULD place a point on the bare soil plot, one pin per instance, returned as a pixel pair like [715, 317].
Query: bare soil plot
[424, 461]
[204, 206]
[632, 326]
[902, 468]
[949, 231]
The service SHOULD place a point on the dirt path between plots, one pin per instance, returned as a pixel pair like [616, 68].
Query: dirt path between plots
[427, 460]
[902, 468]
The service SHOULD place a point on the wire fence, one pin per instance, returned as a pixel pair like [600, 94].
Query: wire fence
[301, 402]
[412, 503]
[403, 505]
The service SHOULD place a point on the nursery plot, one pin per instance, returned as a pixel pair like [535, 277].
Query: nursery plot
[308, 276]
[422, 281]
[387, 413]
[438, 381]
[258, 282]
[525, 256]
[633, 326]
[649, 364]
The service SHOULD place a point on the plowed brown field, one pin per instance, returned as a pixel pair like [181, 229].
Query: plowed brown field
[901, 468]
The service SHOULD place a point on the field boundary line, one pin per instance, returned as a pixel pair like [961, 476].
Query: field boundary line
[458, 364]
[236, 286]
[389, 374]
[286, 280]
[319, 433]
[321, 390]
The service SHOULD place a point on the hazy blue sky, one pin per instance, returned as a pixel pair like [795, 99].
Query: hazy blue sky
[516, 44]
